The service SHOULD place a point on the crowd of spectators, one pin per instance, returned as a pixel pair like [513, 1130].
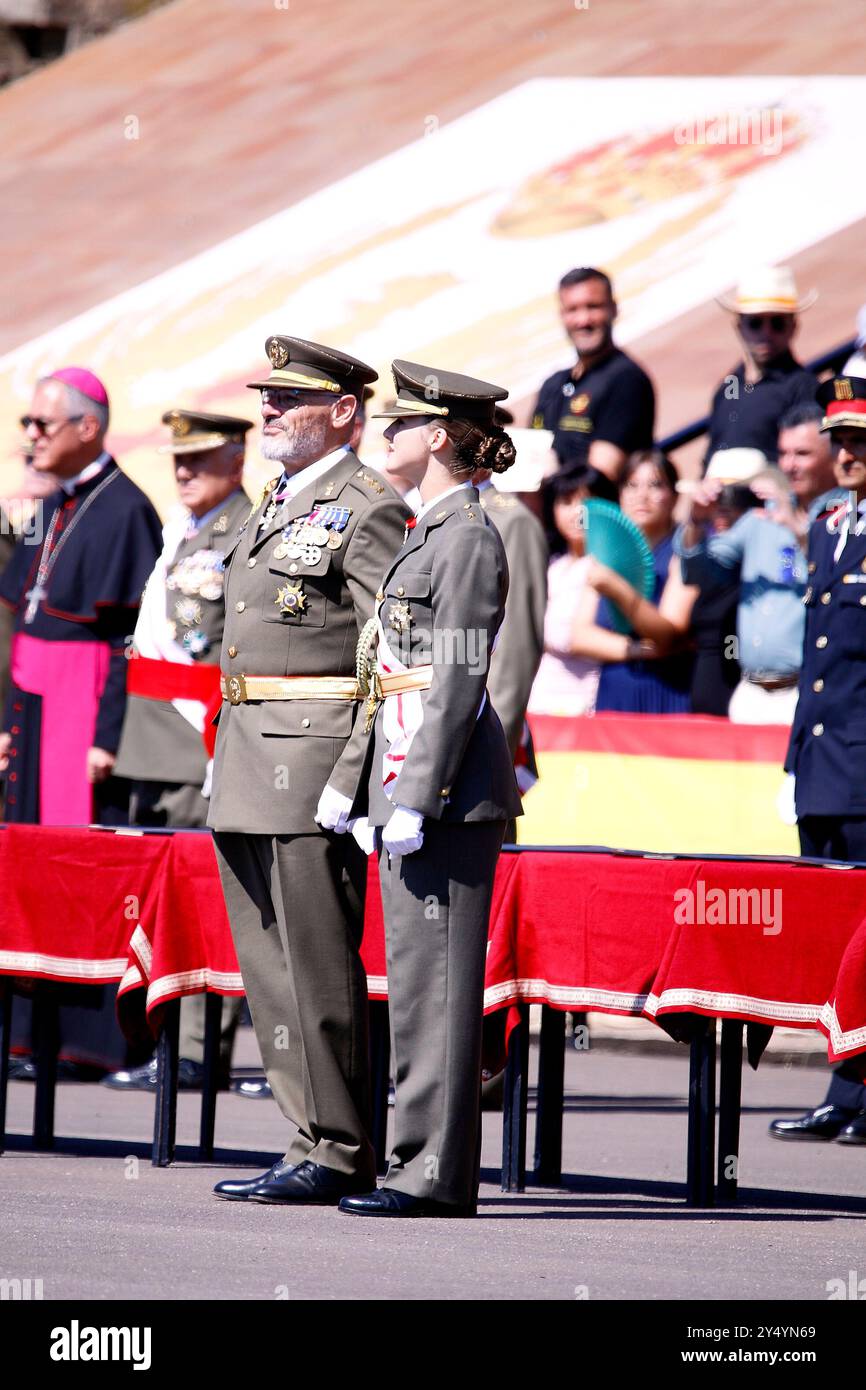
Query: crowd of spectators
[722, 631]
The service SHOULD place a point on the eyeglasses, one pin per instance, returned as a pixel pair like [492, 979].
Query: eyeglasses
[284, 398]
[777, 322]
[43, 425]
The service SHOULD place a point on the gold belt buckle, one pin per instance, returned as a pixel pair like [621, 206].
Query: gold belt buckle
[236, 690]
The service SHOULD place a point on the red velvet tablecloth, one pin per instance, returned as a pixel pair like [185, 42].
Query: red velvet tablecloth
[777, 943]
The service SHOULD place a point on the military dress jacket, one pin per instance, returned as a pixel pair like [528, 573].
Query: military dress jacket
[521, 639]
[827, 748]
[299, 616]
[442, 602]
[157, 743]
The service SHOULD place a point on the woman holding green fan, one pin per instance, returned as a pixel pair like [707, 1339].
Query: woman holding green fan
[638, 630]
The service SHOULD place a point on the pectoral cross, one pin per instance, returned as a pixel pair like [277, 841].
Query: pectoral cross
[34, 597]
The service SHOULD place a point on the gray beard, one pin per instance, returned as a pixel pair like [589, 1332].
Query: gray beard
[304, 445]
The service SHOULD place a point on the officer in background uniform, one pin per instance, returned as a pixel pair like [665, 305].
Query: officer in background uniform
[827, 751]
[440, 787]
[300, 585]
[173, 676]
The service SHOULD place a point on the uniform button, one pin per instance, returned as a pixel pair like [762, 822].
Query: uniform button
[400, 590]
[863, 601]
[817, 730]
[812, 566]
[825, 598]
[380, 596]
[446, 791]
[240, 606]
[821, 643]
[15, 729]
[305, 723]
[293, 569]
[233, 651]
[251, 564]
[818, 686]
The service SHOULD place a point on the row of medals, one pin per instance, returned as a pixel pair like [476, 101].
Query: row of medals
[305, 542]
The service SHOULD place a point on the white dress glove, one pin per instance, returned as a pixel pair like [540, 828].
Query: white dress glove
[332, 812]
[403, 834]
[207, 784]
[364, 834]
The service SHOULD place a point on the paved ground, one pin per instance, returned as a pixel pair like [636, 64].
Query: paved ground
[108, 1225]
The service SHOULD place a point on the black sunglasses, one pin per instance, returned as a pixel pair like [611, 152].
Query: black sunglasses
[778, 322]
[42, 424]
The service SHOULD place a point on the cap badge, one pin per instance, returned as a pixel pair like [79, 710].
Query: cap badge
[278, 354]
[180, 426]
[843, 390]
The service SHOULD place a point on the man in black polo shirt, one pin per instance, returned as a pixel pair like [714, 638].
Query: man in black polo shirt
[750, 402]
[602, 409]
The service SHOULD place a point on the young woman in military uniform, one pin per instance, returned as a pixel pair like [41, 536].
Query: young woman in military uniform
[441, 786]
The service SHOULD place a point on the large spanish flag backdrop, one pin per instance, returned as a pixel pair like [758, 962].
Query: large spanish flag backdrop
[665, 783]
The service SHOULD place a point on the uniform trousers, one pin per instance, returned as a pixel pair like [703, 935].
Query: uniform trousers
[436, 905]
[843, 838]
[296, 908]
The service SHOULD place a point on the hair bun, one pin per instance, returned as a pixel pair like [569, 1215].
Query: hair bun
[498, 451]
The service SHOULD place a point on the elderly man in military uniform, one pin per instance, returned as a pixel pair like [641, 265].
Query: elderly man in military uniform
[300, 585]
[173, 675]
[827, 751]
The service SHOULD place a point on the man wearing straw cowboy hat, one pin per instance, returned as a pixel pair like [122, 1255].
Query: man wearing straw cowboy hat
[750, 402]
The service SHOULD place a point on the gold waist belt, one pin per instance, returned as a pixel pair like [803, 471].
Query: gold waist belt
[239, 689]
[396, 682]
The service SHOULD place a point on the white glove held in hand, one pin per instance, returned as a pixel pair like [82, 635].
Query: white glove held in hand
[364, 834]
[403, 833]
[332, 812]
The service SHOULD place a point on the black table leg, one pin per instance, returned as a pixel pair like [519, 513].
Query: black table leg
[730, 1092]
[46, 1045]
[165, 1112]
[213, 1013]
[551, 1095]
[380, 1070]
[514, 1106]
[702, 1117]
[5, 1035]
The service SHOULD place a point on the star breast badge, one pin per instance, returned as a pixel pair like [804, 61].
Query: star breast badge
[399, 617]
[291, 598]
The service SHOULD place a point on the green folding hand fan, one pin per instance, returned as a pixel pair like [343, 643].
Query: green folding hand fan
[615, 541]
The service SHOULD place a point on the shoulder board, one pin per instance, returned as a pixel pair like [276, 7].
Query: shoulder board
[370, 481]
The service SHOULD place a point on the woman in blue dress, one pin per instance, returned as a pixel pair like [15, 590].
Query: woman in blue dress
[648, 670]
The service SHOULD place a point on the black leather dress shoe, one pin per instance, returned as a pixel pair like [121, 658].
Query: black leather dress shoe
[311, 1184]
[239, 1189]
[824, 1123]
[855, 1131]
[24, 1069]
[387, 1201]
[190, 1077]
[253, 1087]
